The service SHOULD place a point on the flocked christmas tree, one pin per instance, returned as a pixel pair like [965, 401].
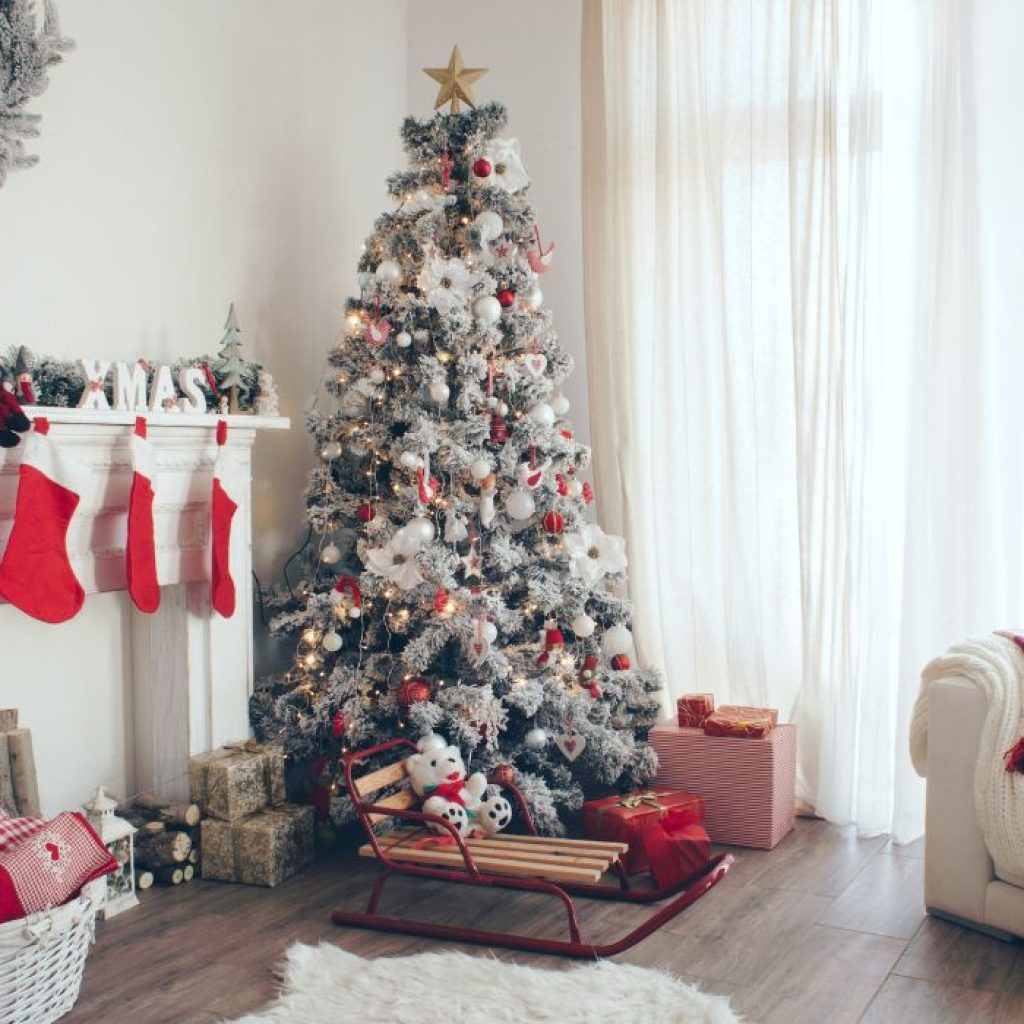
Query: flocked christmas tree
[455, 584]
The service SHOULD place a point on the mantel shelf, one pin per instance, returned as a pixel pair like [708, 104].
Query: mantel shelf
[157, 420]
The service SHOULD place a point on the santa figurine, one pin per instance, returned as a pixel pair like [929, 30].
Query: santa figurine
[588, 676]
[553, 643]
[23, 376]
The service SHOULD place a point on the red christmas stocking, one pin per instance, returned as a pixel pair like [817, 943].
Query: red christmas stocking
[225, 502]
[35, 574]
[140, 552]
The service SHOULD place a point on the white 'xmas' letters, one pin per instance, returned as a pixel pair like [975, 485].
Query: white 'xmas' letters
[94, 371]
[129, 386]
[188, 381]
[163, 395]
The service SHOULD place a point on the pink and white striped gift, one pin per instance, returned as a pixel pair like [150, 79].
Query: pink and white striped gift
[748, 785]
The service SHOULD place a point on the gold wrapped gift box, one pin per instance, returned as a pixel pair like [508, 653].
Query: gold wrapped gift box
[263, 849]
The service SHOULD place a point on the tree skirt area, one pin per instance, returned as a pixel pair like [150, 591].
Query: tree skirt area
[324, 985]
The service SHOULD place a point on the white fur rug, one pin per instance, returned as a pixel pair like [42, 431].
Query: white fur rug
[325, 985]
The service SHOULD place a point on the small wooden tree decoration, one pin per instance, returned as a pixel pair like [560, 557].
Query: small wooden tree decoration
[229, 362]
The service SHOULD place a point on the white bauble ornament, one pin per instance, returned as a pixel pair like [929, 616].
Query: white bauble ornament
[388, 272]
[520, 504]
[489, 632]
[422, 527]
[331, 554]
[492, 401]
[406, 542]
[403, 339]
[534, 298]
[560, 405]
[358, 449]
[354, 613]
[480, 469]
[488, 225]
[487, 309]
[410, 460]
[575, 488]
[439, 392]
[536, 738]
[331, 450]
[377, 376]
[583, 625]
[364, 279]
[332, 641]
[617, 640]
[543, 414]
[422, 335]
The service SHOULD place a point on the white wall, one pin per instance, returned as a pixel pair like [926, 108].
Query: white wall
[532, 48]
[193, 153]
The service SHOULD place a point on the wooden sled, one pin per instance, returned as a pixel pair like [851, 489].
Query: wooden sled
[562, 868]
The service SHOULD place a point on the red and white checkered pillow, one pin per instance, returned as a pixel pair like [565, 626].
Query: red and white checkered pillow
[14, 830]
[50, 865]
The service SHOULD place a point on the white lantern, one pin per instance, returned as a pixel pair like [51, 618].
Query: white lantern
[118, 836]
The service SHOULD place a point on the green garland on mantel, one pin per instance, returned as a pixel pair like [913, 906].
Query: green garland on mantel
[59, 382]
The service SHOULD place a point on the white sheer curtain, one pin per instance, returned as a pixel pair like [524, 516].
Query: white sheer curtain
[803, 423]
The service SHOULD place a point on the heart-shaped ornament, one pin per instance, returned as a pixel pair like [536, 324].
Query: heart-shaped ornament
[536, 363]
[377, 332]
[571, 745]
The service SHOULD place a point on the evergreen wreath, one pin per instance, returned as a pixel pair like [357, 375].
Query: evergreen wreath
[26, 54]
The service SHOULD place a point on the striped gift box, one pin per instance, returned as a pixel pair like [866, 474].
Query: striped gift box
[749, 786]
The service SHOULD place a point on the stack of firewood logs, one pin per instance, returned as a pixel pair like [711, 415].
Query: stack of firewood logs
[19, 788]
[167, 841]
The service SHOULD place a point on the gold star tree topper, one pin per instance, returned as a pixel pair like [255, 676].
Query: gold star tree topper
[456, 82]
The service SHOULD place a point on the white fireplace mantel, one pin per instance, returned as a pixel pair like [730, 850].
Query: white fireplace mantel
[192, 669]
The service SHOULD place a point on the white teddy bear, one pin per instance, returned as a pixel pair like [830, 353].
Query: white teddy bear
[438, 774]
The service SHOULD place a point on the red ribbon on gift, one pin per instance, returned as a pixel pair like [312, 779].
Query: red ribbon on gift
[1014, 757]
[677, 846]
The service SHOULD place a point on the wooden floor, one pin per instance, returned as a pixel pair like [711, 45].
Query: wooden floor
[825, 929]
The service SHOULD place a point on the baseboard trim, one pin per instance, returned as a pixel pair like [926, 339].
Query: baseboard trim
[995, 933]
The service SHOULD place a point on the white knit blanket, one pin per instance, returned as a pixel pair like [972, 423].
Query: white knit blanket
[995, 665]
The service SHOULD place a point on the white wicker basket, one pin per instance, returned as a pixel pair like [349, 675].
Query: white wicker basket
[42, 958]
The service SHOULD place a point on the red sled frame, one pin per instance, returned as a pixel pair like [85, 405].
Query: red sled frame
[685, 892]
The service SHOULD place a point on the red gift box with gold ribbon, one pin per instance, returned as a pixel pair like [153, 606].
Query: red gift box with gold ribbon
[693, 708]
[626, 819]
[746, 723]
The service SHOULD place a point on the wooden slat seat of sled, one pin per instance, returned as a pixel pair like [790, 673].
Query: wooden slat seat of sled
[524, 862]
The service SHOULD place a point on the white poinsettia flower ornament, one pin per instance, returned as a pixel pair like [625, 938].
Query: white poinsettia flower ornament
[447, 284]
[507, 170]
[399, 569]
[593, 554]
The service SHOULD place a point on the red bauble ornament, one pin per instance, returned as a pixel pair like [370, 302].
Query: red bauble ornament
[365, 512]
[620, 662]
[504, 775]
[338, 725]
[412, 691]
[482, 168]
[440, 600]
[553, 522]
[506, 297]
[587, 492]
